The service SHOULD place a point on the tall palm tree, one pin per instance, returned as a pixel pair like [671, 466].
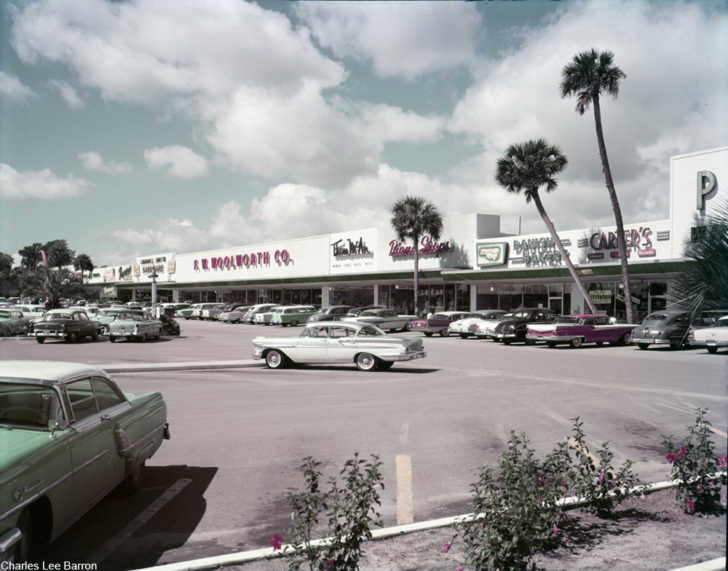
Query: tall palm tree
[588, 75]
[413, 217]
[527, 167]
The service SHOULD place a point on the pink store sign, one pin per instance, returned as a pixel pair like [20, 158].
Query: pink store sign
[605, 243]
[427, 246]
[243, 261]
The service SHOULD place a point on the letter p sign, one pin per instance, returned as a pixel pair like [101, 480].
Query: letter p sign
[707, 187]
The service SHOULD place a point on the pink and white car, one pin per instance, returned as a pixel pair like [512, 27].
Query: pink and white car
[575, 330]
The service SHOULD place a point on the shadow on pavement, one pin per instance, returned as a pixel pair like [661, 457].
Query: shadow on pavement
[128, 532]
[353, 370]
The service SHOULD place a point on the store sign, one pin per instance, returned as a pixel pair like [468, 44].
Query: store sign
[110, 275]
[171, 266]
[604, 244]
[428, 246]
[110, 291]
[601, 296]
[707, 188]
[348, 247]
[243, 261]
[125, 273]
[152, 265]
[492, 254]
[538, 252]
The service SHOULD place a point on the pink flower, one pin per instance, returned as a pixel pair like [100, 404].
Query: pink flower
[691, 506]
[556, 529]
[671, 457]
[446, 547]
[601, 479]
[276, 542]
[327, 564]
[681, 453]
[722, 462]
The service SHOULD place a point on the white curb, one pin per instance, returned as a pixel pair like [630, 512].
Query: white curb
[269, 553]
[712, 565]
[184, 366]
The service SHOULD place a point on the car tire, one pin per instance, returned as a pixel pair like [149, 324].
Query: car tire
[712, 349]
[642, 346]
[551, 344]
[600, 343]
[463, 336]
[675, 345]
[95, 337]
[133, 481]
[112, 339]
[73, 338]
[428, 333]
[576, 342]
[626, 339]
[366, 362]
[530, 342]
[274, 359]
[386, 365]
[40, 339]
[444, 333]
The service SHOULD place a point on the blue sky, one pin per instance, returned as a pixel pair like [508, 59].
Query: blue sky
[140, 127]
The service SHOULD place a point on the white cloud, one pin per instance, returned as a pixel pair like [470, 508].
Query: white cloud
[400, 38]
[67, 92]
[171, 235]
[92, 160]
[672, 101]
[254, 81]
[177, 161]
[42, 184]
[13, 88]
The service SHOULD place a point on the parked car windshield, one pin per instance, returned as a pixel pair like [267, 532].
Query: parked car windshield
[51, 315]
[368, 331]
[655, 317]
[28, 406]
[567, 319]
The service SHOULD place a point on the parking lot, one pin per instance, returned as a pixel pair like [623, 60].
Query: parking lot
[237, 435]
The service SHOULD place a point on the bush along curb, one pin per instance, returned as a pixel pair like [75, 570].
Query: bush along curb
[387, 532]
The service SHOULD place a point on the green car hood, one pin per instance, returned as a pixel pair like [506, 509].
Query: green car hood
[17, 443]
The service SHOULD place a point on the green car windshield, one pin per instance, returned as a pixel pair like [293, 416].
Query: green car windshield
[28, 406]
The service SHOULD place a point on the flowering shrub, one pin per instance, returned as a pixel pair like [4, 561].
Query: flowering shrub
[519, 506]
[595, 478]
[694, 462]
[349, 509]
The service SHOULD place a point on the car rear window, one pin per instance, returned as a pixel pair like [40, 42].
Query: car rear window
[656, 317]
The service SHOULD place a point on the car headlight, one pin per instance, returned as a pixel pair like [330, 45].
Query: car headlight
[655, 332]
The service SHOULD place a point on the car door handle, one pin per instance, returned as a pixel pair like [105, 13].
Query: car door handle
[105, 418]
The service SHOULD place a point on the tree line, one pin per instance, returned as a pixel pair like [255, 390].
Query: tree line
[44, 274]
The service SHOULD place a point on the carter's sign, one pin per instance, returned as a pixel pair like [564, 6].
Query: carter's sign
[243, 261]
[639, 240]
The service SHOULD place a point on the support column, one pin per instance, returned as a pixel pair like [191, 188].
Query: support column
[473, 297]
[325, 292]
[376, 294]
[133, 294]
[175, 296]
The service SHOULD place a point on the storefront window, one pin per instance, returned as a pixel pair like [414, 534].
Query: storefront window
[535, 296]
[354, 296]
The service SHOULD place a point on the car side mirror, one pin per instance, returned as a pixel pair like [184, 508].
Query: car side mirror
[56, 426]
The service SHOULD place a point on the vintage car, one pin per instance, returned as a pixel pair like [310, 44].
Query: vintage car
[292, 314]
[469, 325]
[576, 330]
[69, 436]
[708, 318]
[12, 322]
[106, 316]
[330, 313]
[254, 310]
[30, 312]
[266, 317]
[209, 310]
[170, 326]
[71, 325]
[713, 337]
[356, 311]
[385, 319]
[514, 328]
[668, 327]
[187, 311]
[439, 322]
[234, 316]
[134, 327]
[328, 342]
[485, 328]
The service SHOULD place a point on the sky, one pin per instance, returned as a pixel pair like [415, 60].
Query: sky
[149, 126]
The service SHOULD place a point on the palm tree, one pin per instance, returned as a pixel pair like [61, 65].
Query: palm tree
[587, 76]
[704, 282]
[527, 167]
[413, 217]
[83, 262]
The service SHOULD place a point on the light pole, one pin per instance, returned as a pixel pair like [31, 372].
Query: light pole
[154, 277]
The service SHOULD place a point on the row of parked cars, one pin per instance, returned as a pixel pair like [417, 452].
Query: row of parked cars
[672, 328]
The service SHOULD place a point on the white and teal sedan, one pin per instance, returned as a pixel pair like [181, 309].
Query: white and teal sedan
[134, 326]
[330, 342]
[468, 326]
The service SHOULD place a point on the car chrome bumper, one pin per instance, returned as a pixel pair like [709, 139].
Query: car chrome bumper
[407, 356]
[48, 334]
[708, 343]
[501, 336]
[650, 341]
[7, 542]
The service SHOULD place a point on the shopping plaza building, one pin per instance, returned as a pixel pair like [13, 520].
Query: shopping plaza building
[472, 266]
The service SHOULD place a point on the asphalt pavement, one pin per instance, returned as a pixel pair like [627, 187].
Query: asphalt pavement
[238, 435]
